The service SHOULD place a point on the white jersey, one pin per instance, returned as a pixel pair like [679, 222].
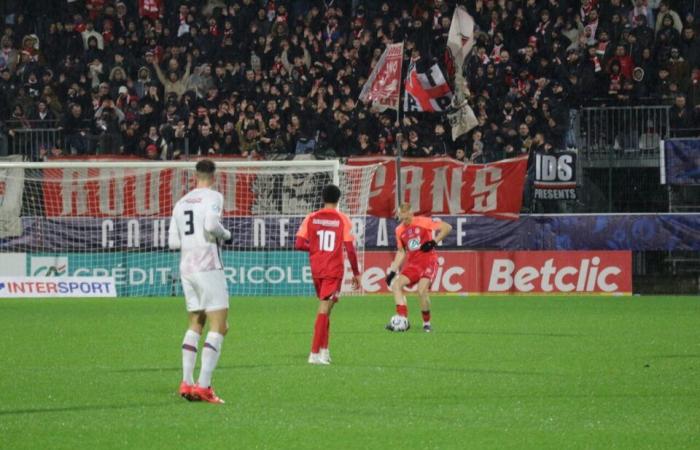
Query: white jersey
[195, 228]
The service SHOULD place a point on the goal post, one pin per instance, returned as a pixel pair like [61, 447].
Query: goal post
[110, 218]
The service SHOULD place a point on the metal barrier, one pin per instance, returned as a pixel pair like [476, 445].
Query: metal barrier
[35, 124]
[622, 136]
[33, 142]
[685, 132]
[36, 143]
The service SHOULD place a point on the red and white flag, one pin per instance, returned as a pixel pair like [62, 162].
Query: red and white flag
[383, 87]
[460, 39]
[426, 92]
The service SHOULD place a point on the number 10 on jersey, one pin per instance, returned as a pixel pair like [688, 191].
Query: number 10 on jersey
[326, 240]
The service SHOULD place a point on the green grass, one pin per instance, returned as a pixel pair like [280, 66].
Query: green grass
[525, 372]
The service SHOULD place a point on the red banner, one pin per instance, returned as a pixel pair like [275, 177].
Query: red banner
[431, 185]
[533, 272]
[384, 83]
[107, 192]
[447, 186]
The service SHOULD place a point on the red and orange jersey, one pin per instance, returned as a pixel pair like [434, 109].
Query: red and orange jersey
[411, 237]
[326, 230]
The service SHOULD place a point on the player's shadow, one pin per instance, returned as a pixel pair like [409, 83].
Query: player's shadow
[147, 369]
[218, 368]
[309, 332]
[63, 409]
[511, 333]
[274, 333]
[455, 370]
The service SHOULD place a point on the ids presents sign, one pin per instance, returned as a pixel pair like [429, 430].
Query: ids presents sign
[555, 176]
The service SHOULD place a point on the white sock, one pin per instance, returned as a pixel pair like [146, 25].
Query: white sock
[189, 356]
[210, 356]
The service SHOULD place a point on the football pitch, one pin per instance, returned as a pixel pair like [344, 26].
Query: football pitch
[498, 372]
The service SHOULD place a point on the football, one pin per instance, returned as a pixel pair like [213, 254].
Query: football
[399, 323]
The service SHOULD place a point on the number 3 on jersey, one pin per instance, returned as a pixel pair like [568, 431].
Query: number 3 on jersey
[326, 240]
[190, 222]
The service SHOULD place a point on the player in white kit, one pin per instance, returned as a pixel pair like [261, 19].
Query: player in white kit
[195, 229]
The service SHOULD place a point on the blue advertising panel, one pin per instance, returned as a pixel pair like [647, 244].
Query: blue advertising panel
[681, 162]
[536, 232]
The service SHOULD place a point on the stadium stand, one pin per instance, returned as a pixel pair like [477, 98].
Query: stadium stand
[161, 79]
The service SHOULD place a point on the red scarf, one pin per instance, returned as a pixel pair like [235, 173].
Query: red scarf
[602, 46]
[615, 83]
[496, 54]
[521, 86]
[150, 8]
[107, 37]
[585, 9]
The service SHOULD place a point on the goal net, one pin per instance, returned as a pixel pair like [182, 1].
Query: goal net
[111, 219]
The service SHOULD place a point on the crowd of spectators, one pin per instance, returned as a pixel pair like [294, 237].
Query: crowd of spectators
[274, 78]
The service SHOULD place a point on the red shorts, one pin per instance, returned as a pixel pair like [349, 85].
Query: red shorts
[415, 271]
[328, 288]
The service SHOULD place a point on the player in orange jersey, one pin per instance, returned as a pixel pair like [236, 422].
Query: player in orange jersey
[324, 234]
[416, 245]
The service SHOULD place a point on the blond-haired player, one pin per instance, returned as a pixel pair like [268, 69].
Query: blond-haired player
[417, 259]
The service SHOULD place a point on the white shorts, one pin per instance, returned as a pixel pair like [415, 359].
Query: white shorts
[205, 291]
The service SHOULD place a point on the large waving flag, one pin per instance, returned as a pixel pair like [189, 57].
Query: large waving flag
[383, 87]
[426, 92]
[460, 39]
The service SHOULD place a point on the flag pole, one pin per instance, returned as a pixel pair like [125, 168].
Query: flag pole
[370, 93]
[399, 191]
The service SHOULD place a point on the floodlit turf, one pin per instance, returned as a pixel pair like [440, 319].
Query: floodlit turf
[526, 372]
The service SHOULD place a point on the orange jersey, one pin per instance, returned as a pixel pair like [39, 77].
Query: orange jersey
[411, 237]
[326, 230]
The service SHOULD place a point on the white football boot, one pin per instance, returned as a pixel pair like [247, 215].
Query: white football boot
[315, 358]
[325, 355]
